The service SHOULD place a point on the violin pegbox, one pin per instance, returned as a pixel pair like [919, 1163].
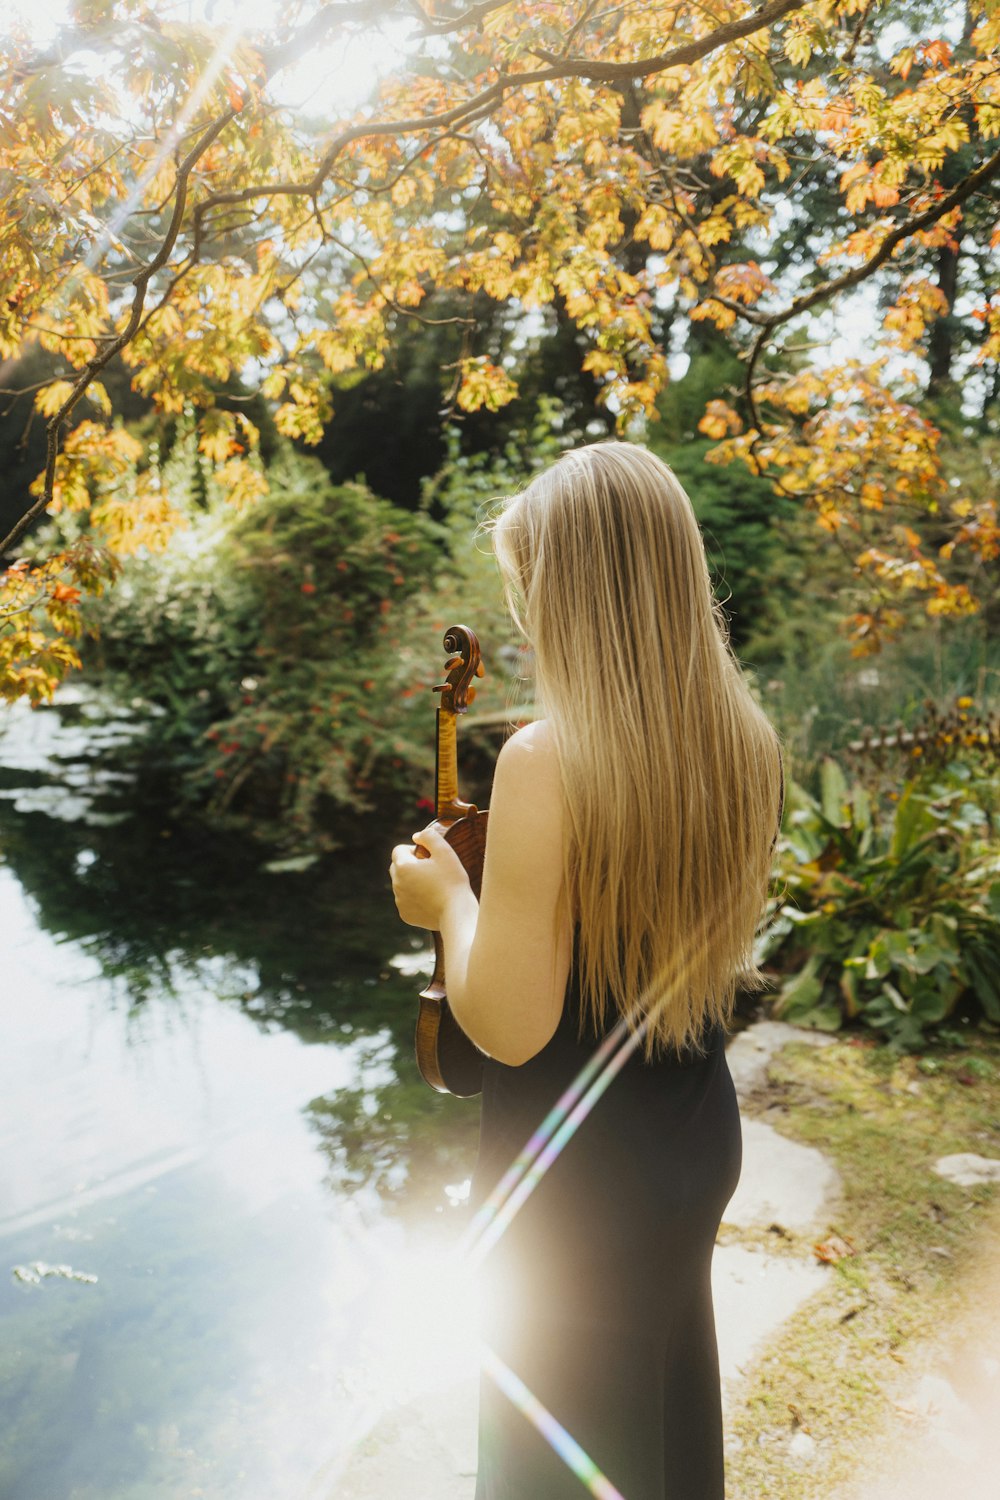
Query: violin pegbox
[464, 664]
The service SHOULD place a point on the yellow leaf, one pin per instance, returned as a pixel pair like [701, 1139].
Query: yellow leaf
[49, 400]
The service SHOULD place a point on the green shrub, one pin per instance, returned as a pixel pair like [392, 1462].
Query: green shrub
[891, 911]
[286, 654]
[273, 644]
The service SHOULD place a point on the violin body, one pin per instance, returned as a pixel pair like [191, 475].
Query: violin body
[448, 1061]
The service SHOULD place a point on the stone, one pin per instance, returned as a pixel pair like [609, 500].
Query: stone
[967, 1169]
[754, 1293]
[782, 1182]
[751, 1050]
[801, 1445]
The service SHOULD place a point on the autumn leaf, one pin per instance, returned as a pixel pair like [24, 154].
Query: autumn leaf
[613, 187]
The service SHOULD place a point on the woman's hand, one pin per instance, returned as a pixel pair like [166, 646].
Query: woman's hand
[424, 887]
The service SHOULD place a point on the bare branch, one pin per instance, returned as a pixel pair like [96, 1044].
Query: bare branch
[316, 29]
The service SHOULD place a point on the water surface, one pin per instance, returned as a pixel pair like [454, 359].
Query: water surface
[224, 1191]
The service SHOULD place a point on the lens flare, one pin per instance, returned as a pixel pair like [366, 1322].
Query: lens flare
[568, 1449]
[561, 1123]
[512, 1192]
[545, 1145]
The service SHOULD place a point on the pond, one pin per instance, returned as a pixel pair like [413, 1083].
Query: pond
[224, 1190]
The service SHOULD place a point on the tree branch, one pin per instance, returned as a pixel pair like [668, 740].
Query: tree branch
[943, 206]
[115, 345]
[483, 102]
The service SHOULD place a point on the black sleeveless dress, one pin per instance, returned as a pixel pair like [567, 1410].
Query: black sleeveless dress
[597, 1295]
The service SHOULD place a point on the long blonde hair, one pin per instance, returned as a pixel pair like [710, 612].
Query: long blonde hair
[671, 772]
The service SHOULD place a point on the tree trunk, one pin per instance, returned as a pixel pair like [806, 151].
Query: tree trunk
[941, 346]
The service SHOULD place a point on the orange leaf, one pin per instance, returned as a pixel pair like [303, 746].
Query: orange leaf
[837, 1247]
[937, 52]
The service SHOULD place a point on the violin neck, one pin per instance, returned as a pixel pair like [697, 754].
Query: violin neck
[448, 803]
[446, 773]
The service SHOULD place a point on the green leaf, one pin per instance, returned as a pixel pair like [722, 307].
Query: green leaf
[833, 792]
[985, 985]
[886, 951]
[930, 1003]
[895, 999]
[993, 899]
[914, 820]
[862, 809]
[799, 994]
[850, 989]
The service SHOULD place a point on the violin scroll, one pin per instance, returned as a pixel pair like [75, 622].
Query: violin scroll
[458, 689]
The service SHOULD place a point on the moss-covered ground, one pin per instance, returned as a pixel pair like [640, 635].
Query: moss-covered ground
[903, 1243]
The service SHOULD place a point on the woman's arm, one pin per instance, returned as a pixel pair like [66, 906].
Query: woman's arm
[506, 964]
[508, 994]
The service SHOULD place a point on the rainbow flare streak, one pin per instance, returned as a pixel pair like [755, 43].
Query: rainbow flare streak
[559, 1125]
[545, 1145]
[568, 1449]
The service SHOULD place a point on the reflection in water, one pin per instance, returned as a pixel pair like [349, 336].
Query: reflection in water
[208, 1103]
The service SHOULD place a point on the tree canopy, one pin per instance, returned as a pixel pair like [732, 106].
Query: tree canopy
[650, 173]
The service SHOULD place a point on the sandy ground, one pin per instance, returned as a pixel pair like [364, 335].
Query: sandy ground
[945, 1433]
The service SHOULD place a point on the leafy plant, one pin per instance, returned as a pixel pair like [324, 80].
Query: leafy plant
[809, 154]
[891, 912]
[273, 644]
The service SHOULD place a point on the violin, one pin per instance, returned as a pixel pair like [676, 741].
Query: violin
[447, 1059]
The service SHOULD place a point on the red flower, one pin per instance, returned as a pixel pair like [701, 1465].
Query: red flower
[308, 588]
[425, 804]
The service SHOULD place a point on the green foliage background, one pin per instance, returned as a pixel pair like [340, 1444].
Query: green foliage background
[284, 656]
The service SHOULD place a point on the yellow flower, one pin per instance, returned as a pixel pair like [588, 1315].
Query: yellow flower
[965, 702]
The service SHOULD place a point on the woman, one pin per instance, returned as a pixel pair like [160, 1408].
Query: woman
[627, 862]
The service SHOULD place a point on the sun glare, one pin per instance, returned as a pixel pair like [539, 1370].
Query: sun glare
[332, 77]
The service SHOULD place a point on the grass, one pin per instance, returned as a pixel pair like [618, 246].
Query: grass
[837, 1367]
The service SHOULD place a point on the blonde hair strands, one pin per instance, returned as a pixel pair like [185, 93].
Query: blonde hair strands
[671, 772]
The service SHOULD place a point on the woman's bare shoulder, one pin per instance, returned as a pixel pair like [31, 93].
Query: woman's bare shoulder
[528, 766]
[534, 741]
